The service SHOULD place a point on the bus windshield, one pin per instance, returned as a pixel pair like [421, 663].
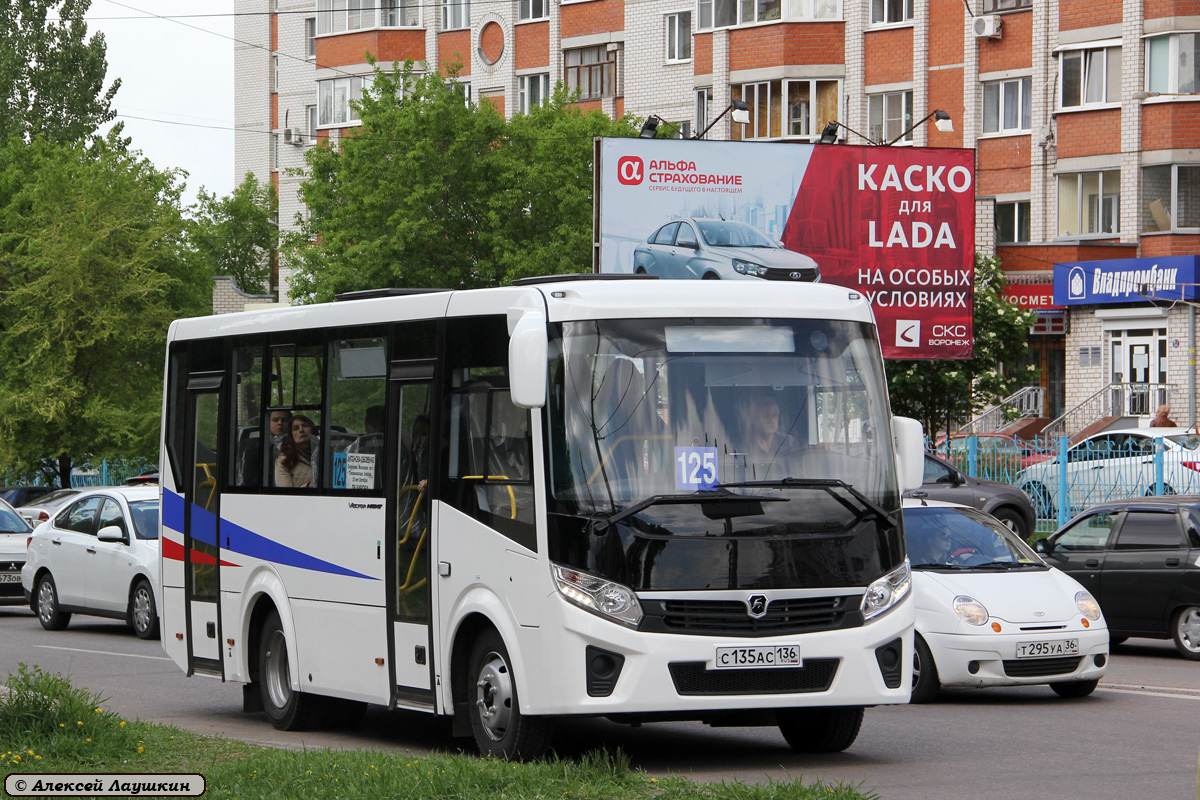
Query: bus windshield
[687, 428]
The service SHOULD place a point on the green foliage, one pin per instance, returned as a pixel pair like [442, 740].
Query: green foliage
[52, 73]
[92, 272]
[940, 392]
[432, 192]
[237, 235]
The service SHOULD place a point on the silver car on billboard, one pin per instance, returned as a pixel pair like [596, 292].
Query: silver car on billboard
[714, 249]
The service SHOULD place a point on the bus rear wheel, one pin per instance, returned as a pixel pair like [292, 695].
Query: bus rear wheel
[288, 710]
[820, 730]
[499, 727]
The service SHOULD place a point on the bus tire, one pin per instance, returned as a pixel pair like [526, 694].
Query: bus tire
[499, 727]
[287, 710]
[820, 730]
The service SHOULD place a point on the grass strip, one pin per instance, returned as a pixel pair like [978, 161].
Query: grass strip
[49, 726]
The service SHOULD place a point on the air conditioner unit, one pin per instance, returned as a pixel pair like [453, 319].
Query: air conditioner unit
[988, 26]
[293, 136]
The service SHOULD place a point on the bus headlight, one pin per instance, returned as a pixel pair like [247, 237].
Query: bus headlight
[886, 592]
[1087, 605]
[605, 598]
[970, 610]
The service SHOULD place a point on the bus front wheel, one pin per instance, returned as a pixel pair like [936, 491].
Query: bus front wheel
[499, 727]
[288, 710]
[820, 730]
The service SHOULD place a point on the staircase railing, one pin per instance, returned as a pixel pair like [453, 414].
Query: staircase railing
[1114, 400]
[1027, 402]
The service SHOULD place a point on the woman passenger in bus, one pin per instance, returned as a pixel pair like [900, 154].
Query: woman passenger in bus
[296, 464]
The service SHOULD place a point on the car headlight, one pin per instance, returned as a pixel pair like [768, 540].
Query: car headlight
[970, 610]
[1087, 605]
[749, 268]
[605, 598]
[886, 592]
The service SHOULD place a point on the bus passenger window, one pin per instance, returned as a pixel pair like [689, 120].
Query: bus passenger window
[354, 442]
[247, 452]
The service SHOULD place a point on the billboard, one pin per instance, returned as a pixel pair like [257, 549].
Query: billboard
[894, 223]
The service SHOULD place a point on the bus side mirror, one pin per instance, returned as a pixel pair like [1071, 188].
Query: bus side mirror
[910, 452]
[527, 349]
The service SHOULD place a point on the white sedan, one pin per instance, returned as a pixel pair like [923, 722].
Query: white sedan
[98, 555]
[990, 612]
[1114, 465]
[14, 535]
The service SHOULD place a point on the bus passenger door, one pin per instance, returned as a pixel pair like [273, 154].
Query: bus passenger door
[410, 523]
[201, 522]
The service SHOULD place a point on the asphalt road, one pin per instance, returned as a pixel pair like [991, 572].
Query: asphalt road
[1136, 737]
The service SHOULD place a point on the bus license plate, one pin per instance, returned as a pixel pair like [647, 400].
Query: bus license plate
[10, 577]
[758, 656]
[1058, 647]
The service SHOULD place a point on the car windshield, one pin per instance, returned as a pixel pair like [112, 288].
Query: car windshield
[1188, 441]
[963, 538]
[145, 518]
[678, 409]
[52, 498]
[719, 233]
[11, 522]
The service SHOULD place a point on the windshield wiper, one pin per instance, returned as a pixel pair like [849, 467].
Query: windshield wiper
[1005, 565]
[937, 566]
[704, 498]
[828, 484]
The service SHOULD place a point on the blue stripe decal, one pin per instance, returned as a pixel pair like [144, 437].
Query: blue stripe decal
[172, 510]
[244, 541]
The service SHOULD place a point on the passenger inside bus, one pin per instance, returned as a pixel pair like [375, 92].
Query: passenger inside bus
[296, 465]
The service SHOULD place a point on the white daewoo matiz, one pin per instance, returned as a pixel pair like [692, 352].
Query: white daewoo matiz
[990, 612]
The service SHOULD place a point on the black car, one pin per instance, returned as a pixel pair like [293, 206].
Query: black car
[1006, 503]
[20, 495]
[1140, 558]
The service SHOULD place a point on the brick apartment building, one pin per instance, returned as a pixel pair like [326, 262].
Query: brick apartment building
[1082, 115]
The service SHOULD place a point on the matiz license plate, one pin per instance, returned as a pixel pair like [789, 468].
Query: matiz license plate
[1058, 647]
[758, 656]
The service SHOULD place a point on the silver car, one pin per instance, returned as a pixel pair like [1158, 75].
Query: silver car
[720, 249]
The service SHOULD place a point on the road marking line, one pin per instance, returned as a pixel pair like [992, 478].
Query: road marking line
[101, 652]
[1177, 692]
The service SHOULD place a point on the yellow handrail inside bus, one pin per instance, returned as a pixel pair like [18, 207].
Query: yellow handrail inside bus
[512, 496]
[209, 482]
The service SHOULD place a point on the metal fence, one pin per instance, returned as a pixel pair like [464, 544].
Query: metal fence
[1062, 480]
[107, 472]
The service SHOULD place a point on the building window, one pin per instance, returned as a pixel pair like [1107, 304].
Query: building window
[400, 13]
[533, 9]
[456, 14]
[463, 88]
[338, 16]
[886, 12]
[310, 37]
[334, 98]
[274, 151]
[311, 116]
[992, 6]
[787, 108]
[727, 13]
[532, 91]
[704, 100]
[1088, 203]
[1171, 64]
[1171, 197]
[274, 73]
[1090, 77]
[1013, 222]
[679, 36]
[593, 71]
[1007, 106]
[889, 116]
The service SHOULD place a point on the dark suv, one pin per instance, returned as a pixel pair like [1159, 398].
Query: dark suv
[1138, 557]
[20, 495]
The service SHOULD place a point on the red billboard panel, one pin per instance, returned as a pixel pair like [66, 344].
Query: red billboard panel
[897, 224]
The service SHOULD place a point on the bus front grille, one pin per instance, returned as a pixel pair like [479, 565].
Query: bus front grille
[691, 678]
[1038, 667]
[731, 617]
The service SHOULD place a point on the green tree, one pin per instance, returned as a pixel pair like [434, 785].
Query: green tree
[92, 272]
[52, 73]
[237, 235]
[941, 392]
[433, 192]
